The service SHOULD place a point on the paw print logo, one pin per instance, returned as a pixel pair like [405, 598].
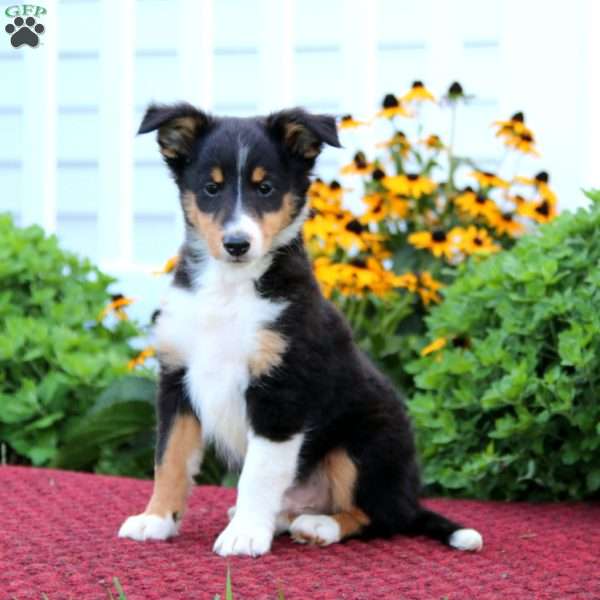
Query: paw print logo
[24, 32]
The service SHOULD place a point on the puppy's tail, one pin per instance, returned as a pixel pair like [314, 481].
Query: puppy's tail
[437, 527]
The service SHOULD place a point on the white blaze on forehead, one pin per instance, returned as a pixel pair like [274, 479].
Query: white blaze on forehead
[241, 163]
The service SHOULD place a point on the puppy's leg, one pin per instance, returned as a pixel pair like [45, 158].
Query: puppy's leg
[269, 470]
[328, 529]
[178, 458]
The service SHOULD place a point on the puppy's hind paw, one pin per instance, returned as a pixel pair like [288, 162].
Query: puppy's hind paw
[148, 527]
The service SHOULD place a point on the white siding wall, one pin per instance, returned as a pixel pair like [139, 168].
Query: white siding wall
[69, 109]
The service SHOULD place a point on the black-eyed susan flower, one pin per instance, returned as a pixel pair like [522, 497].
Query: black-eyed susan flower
[116, 306]
[377, 209]
[514, 126]
[540, 212]
[456, 94]
[433, 142]
[487, 179]
[475, 204]
[475, 240]
[358, 166]
[141, 358]
[398, 143]
[438, 242]
[418, 93]
[410, 185]
[392, 107]
[505, 223]
[524, 142]
[349, 122]
[434, 346]
[168, 267]
[428, 288]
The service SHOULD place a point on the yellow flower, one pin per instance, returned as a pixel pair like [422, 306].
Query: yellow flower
[418, 93]
[392, 107]
[348, 122]
[477, 241]
[377, 209]
[504, 223]
[168, 267]
[118, 303]
[428, 288]
[436, 345]
[438, 242]
[141, 358]
[411, 185]
[524, 142]
[541, 212]
[433, 142]
[486, 179]
[325, 198]
[358, 166]
[398, 143]
[474, 204]
[408, 280]
[514, 126]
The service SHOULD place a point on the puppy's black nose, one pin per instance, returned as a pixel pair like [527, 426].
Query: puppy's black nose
[236, 244]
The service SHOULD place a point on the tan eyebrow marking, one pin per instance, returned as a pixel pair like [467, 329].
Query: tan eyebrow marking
[258, 175]
[217, 175]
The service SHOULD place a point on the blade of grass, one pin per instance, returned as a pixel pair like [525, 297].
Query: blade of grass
[228, 590]
[119, 589]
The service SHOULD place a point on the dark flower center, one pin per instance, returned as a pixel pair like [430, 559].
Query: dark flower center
[480, 199]
[355, 227]
[478, 241]
[518, 117]
[116, 297]
[543, 208]
[417, 85]
[347, 118]
[438, 236]
[378, 174]
[412, 176]
[334, 185]
[489, 174]
[508, 217]
[390, 101]
[360, 160]
[542, 177]
[358, 262]
[455, 89]
[526, 137]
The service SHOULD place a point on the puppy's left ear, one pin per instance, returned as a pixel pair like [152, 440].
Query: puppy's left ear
[303, 134]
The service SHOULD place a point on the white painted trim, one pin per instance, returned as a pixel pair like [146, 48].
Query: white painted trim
[39, 126]
[117, 53]
[276, 54]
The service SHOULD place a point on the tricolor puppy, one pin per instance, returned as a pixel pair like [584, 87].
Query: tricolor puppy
[254, 359]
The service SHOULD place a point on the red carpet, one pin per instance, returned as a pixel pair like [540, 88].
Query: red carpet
[58, 537]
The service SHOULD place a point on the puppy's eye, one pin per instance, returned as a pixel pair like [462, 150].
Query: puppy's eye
[265, 188]
[211, 188]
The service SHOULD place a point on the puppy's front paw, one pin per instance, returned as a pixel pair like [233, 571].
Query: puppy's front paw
[148, 527]
[245, 539]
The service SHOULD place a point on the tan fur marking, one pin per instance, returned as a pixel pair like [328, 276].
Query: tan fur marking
[351, 522]
[176, 136]
[342, 473]
[172, 480]
[271, 346]
[274, 222]
[258, 175]
[203, 223]
[217, 175]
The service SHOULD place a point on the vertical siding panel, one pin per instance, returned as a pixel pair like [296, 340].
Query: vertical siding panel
[115, 210]
[39, 129]
[276, 54]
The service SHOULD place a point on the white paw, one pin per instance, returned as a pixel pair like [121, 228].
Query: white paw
[246, 539]
[466, 539]
[148, 527]
[315, 529]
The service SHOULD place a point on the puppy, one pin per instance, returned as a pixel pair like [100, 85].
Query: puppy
[255, 360]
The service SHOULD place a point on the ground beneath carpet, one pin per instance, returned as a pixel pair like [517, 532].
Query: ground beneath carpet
[58, 537]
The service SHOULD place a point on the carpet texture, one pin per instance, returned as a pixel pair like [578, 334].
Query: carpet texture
[58, 537]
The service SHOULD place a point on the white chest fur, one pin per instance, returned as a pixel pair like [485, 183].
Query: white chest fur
[214, 332]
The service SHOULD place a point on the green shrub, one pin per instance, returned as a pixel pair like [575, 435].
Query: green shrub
[509, 407]
[56, 356]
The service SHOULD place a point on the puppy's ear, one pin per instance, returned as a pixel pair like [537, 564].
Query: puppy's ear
[301, 133]
[178, 127]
